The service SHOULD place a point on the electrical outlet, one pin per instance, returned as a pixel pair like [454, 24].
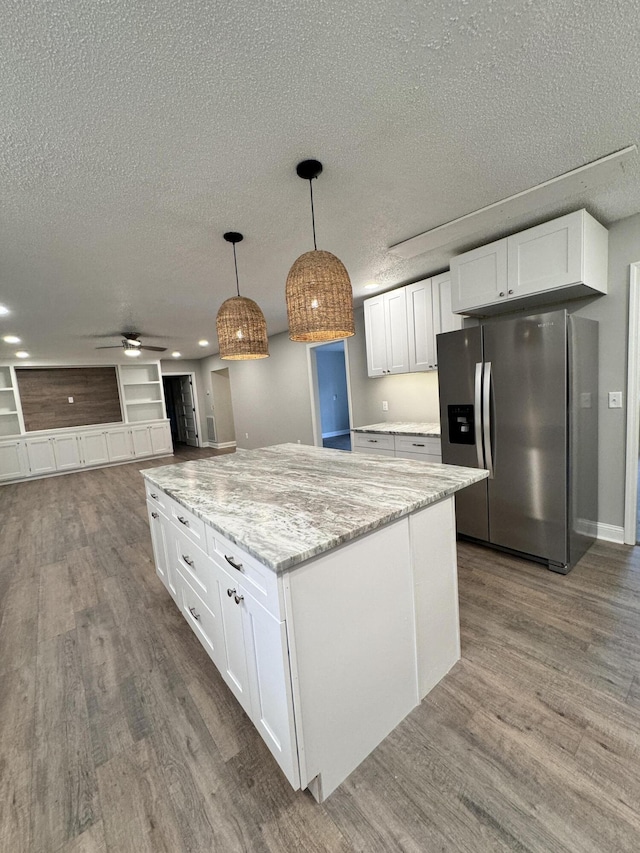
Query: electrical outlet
[615, 399]
[70, 399]
[246, 435]
[385, 406]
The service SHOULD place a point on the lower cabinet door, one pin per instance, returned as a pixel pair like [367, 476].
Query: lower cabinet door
[233, 665]
[66, 449]
[160, 528]
[12, 462]
[161, 438]
[141, 441]
[41, 457]
[270, 685]
[119, 444]
[94, 448]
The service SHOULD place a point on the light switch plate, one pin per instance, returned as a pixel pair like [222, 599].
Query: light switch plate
[615, 399]
[385, 406]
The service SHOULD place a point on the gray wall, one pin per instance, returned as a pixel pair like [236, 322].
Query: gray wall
[221, 405]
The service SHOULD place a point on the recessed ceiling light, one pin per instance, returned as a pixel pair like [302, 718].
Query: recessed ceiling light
[203, 343]
[4, 309]
[11, 339]
[176, 354]
[372, 285]
[22, 354]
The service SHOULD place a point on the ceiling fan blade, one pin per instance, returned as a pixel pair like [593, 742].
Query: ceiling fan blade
[155, 349]
[119, 346]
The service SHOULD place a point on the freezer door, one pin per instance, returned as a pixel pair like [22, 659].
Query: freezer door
[528, 411]
[460, 384]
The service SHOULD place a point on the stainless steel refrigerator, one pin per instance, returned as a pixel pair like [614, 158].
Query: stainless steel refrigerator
[519, 396]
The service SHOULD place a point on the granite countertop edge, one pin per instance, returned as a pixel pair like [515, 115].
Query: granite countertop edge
[279, 566]
[426, 430]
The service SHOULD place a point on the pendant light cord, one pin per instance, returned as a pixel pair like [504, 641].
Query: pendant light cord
[313, 216]
[235, 261]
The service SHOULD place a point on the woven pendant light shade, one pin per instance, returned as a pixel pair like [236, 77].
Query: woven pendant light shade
[242, 330]
[319, 298]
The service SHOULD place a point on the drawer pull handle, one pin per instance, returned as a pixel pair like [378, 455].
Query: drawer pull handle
[155, 497]
[195, 615]
[183, 521]
[187, 560]
[237, 566]
[417, 445]
[231, 592]
[373, 440]
[155, 515]
[238, 598]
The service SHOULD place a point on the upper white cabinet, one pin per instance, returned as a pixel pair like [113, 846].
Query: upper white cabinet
[9, 408]
[562, 259]
[385, 318]
[401, 326]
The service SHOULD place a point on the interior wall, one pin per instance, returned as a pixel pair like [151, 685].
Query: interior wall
[332, 391]
[222, 406]
[45, 393]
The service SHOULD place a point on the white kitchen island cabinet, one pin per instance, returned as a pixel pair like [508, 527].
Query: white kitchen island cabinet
[325, 591]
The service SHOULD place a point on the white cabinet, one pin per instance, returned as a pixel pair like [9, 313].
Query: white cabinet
[385, 318]
[373, 442]
[119, 444]
[444, 318]
[233, 665]
[558, 260]
[420, 326]
[13, 461]
[420, 448]
[141, 441]
[66, 450]
[142, 394]
[40, 454]
[160, 532]
[94, 448]
[161, 438]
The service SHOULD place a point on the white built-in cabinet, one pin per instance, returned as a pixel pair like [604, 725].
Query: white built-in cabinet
[557, 260]
[401, 326]
[145, 432]
[417, 447]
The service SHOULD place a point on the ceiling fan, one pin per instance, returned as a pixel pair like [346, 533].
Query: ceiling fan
[132, 345]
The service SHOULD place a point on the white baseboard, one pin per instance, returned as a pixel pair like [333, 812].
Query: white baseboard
[220, 445]
[610, 533]
[335, 433]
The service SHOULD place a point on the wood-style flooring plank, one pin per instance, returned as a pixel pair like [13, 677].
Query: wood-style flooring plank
[91, 841]
[55, 608]
[64, 801]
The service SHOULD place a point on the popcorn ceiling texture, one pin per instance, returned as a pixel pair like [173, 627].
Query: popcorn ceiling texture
[135, 134]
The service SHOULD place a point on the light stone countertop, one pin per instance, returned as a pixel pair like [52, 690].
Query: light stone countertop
[288, 503]
[403, 428]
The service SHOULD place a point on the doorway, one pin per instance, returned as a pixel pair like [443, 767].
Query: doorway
[330, 395]
[180, 401]
[221, 429]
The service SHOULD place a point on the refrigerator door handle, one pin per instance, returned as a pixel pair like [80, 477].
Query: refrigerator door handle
[486, 417]
[478, 415]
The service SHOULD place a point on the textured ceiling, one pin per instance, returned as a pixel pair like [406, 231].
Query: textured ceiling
[135, 134]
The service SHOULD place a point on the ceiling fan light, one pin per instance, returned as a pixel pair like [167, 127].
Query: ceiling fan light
[131, 349]
[319, 298]
[242, 330]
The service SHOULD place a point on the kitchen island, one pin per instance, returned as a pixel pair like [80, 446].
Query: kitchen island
[323, 585]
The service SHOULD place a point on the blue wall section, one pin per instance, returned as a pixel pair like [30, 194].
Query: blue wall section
[332, 386]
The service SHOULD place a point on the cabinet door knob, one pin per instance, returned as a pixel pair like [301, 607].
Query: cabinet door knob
[155, 515]
[155, 497]
[231, 592]
[183, 521]
[237, 566]
[238, 598]
[511, 291]
[502, 293]
[195, 615]
[187, 560]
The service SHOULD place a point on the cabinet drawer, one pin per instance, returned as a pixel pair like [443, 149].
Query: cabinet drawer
[418, 457]
[191, 561]
[258, 580]
[418, 444]
[204, 623]
[156, 496]
[186, 522]
[373, 441]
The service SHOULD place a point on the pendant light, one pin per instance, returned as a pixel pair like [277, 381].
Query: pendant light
[242, 329]
[319, 295]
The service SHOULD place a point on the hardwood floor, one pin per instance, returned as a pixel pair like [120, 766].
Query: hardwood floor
[117, 734]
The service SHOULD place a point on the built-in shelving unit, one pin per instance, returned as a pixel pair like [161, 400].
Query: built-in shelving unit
[142, 396]
[9, 416]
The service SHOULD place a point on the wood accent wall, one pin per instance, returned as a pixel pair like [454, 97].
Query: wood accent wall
[45, 392]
